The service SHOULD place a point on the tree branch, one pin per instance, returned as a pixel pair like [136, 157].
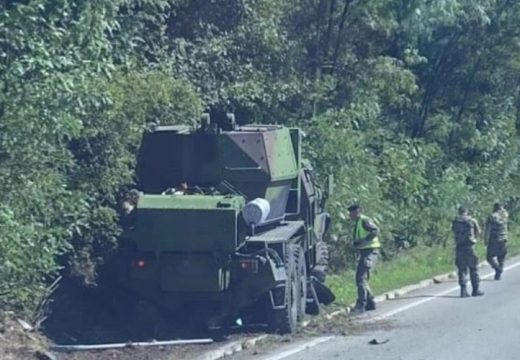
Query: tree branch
[343, 19]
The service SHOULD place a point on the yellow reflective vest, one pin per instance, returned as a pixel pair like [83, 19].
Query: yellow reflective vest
[360, 233]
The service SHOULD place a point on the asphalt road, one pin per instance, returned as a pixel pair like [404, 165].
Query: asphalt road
[432, 323]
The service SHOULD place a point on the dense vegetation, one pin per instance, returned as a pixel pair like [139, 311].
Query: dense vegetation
[412, 105]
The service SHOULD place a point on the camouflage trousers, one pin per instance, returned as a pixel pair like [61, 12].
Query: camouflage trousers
[496, 254]
[467, 261]
[366, 261]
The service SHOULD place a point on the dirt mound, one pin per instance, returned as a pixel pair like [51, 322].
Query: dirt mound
[17, 343]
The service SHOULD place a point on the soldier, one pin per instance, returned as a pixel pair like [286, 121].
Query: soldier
[130, 200]
[496, 239]
[128, 207]
[181, 189]
[367, 244]
[465, 230]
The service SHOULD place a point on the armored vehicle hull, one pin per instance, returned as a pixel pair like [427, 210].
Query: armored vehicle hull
[228, 224]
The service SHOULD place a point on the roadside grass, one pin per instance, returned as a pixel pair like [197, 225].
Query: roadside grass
[407, 268]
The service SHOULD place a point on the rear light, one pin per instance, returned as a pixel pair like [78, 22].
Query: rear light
[249, 265]
[140, 264]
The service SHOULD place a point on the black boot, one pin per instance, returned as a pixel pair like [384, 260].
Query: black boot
[476, 291]
[498, 274]
[371, 304]
[357, 310]
[463, 292]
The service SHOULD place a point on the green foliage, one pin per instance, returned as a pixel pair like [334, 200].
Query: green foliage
[407, 267]
[44, 63]
[413, 106]
[105, 150]
[69, 126]
[428, 123]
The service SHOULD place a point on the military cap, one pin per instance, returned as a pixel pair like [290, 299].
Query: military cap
[353, 207]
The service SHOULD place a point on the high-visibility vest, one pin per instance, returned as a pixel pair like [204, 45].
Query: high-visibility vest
[360, 233]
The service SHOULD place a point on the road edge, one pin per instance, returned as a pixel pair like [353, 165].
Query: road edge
[231, 348]
[397, 293]
[240, 345]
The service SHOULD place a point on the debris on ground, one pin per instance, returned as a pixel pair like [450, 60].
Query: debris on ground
[18, 341]
[377, 342]
[342, 324]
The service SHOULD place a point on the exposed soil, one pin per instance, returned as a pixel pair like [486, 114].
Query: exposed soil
[19, 344]
[152, 353]
[342, 325]
[94, 316]
[136, 353]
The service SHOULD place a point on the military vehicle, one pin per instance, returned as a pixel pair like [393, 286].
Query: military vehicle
[228, 223]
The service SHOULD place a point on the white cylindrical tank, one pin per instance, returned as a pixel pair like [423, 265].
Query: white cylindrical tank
[256, 211]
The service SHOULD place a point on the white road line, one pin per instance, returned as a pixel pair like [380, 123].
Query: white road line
[433, 297]
[320, 340]
[299, 348]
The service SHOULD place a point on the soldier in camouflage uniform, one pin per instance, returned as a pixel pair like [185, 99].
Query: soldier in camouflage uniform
[128, 206]
[496, 239]
[465, 230]
[367, 243]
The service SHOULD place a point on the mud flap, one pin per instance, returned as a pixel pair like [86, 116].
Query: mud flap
[313, 304]
[277, 297]
[324, 294]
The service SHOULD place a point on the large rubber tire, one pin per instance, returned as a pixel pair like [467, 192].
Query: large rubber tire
[301, 270]
[283, 321]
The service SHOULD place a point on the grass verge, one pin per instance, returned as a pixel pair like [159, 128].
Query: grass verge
[407, 268]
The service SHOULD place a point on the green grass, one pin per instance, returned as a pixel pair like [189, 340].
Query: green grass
[407, 268]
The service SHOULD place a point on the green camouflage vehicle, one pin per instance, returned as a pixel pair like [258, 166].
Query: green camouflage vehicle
[228, 223]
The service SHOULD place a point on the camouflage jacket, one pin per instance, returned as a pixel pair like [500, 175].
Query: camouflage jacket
[465, 229]
[496, 227]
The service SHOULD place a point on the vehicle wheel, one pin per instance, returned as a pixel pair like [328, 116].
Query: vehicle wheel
[283, 321]
[301, 269]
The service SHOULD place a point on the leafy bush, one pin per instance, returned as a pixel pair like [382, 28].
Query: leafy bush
[413, 107]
